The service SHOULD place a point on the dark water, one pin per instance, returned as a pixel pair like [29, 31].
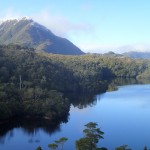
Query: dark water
[123, 114]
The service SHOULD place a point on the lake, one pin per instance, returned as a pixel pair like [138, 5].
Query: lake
[123, 115]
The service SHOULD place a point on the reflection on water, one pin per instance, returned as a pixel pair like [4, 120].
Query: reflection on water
[83, 100]
[85, 107]
[113, 85]
[29, 127]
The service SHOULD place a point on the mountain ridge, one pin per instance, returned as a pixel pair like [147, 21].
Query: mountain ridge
[137, 55]
[27, 32]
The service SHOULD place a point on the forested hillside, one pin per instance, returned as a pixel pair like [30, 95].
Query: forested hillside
[33, 84]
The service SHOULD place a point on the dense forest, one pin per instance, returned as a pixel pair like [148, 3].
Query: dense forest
[35, 84]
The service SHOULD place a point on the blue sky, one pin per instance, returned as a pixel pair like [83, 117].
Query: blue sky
[93, 25]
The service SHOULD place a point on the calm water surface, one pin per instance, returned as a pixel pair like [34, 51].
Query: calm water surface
[124, 116]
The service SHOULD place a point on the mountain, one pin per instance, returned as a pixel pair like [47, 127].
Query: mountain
[28, 33]
[134, 54]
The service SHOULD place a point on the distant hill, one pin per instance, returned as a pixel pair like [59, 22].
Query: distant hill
[142, 55]
[28, 33]
[112, 54]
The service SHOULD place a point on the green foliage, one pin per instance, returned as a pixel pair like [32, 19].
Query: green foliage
[60, 142]
[102, 148]
[39, 148]
[91, 138]
[83, 144]
[145, 148]
[34, 84]
[124, 147]
[53, 146]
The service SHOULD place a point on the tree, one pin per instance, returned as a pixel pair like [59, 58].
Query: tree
[145, 148]
[102, 148]
[92, 134]
[124, 147]
[61, 141]
[39, 148]
[83, 144]
[53, 146]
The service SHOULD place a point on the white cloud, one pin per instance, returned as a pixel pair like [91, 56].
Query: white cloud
[81, 34]
[98, 48]
[141, 47]
[57, 23]
[60, 25]
[10, 13]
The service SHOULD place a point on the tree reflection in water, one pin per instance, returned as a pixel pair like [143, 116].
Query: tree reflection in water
[30, 126]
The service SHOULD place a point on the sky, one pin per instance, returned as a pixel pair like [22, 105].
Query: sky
[95, 26]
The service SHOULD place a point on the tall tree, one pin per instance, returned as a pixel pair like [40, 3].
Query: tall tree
[61, 141]
[124, 147]
[145, 148]
[39, 148]
[53, 146]
[92, 134]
